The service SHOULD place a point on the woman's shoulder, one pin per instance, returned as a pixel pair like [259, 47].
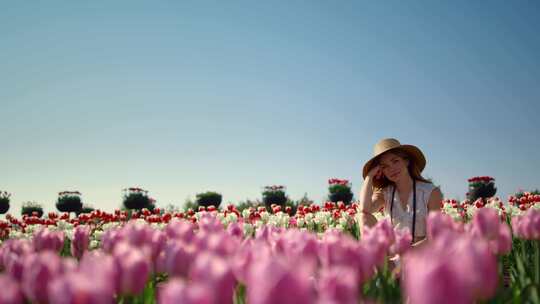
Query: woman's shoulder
[425, 186]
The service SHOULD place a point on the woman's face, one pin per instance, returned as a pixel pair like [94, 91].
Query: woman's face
[393, 166]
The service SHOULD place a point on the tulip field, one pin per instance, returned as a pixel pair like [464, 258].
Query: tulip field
[479, 252]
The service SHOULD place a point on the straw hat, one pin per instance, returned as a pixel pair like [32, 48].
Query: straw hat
[388, 144]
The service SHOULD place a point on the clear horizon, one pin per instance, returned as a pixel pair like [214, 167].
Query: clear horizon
[181, 98]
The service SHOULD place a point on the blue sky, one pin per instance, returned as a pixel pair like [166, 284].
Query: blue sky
[184, 97]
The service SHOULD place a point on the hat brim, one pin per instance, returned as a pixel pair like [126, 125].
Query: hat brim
[416, 155]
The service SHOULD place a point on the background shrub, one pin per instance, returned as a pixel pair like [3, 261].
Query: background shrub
[137, 198]
[481, 187]
[5, 198]
[274, 195]
[28, 208]
[189, 204]
[69, 201]
[340, 191]
[209, 198]
[87, 209]
[242, 205]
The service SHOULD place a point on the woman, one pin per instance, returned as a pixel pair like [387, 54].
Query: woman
[393, 180]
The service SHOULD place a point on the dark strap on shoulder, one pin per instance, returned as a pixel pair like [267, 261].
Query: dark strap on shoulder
[414, 208]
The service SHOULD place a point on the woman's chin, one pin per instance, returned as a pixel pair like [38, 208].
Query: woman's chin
[395, 178]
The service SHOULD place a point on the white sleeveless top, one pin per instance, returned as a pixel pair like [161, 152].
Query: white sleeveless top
[403, 218]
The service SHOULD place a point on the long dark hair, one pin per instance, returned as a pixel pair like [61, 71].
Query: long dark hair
[412, 168]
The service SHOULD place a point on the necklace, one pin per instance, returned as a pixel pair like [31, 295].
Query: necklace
[414, 208]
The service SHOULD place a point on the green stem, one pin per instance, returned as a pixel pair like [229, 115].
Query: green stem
[240, 294]
[536, 263]
[536, 269]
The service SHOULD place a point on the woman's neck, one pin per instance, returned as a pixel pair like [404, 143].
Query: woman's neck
[404, 184]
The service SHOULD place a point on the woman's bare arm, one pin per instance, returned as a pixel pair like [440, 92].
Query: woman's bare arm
[435, 199]
[434, 204]
[370, 202]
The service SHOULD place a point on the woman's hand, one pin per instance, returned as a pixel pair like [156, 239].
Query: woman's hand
[367, 204]
[419, 243]
[375, 172]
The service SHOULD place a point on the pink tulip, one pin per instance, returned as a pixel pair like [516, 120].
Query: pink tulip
[215, 274]
[445, 265]
[385, 232]
[267, 233]
[430, 279]
[46, 239]
[241, 261]
[236, 230]
[156, 244]
[102, 267]
[110, 238]
[177, 291]
[487, 224]
[69, 264]
[437, 223]
[81, 238]
[145, 238]
[80, 288]
[504, 240]
[180, 229]
[374, 246]
[402, 243]
[272, 280]
[337, 249]
[134, 268]
[11, 291]
[140, 235]
[15, 246]
[378, 241]
[177, 258]
[210, 223]
[14, 265]
[295, 244]
[338, 285]
[475, 254]
[12, 256]
[218, 242]
[527, 226]
[292, 221]
[172, 292]
[39, 270]
[137, 233]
